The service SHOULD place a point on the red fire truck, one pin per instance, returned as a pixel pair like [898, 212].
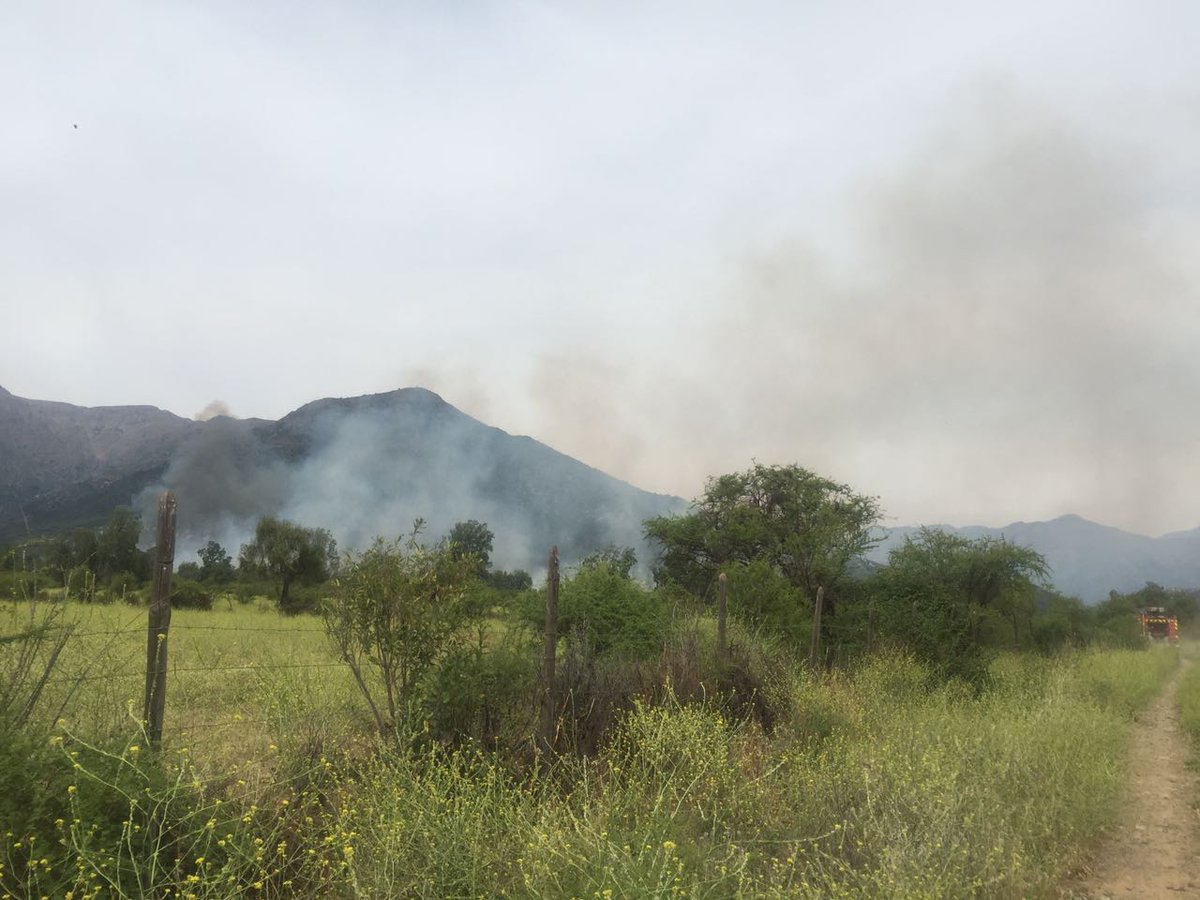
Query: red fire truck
[1158, 626]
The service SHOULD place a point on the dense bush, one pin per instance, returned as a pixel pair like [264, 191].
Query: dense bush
[187, 594]
[483, 691]
[763, 598]
[611, 614]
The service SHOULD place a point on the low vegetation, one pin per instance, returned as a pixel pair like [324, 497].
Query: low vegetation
[1188, 697]
[960, 734]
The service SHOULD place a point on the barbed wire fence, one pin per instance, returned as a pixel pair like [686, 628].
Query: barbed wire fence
[202, 679]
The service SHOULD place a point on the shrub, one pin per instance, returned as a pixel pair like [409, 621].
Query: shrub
[396, 609]
[81, 584]
[187, 594]
[762, 597]
[124, 586]
[611, 614]
[481, 692]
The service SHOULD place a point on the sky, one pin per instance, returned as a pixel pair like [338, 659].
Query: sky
[947, 253]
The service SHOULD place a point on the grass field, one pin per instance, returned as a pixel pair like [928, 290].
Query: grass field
[873, 783]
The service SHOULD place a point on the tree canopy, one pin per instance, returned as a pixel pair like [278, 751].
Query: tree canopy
[937, 587]
[472, 538]
[805, 526]
[289, 553]
[215, 563]
[620, 559]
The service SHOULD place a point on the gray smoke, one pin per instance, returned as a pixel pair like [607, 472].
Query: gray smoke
[1002, 327]
[370, 467]
[211, 410]
[1006, 329]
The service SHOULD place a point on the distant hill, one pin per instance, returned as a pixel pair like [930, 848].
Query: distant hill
[368, 466]
[362, 467]
[64, 465]
[1088, 560]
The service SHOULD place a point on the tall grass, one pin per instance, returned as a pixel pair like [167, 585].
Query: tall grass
[1188, 696]
[876, 782]
[907, 793]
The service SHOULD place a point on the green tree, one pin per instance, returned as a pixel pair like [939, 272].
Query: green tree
[396, 609]
[806, 527]
[68, 552]
[290, 554]
[215, 564]
[763, 598]
[937, 587]
[1179, 603]
[620, 559]
[117, 545]
[610, 613]
[1062, 622]
[472, 538]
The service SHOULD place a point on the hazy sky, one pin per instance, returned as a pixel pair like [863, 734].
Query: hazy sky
[948, 252]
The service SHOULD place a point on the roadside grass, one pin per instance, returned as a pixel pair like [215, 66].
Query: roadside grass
[1188, 695]
[875, 782]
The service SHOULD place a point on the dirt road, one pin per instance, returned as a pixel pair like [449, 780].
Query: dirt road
[1155, 850]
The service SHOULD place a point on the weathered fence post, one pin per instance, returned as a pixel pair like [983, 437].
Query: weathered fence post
[815, 648]
[160, 621]
[722, 611]
[549, 694]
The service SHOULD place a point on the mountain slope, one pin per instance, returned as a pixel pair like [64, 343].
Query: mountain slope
[362, 467]
[64, 465]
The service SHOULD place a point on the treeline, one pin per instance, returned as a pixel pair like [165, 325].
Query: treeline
[288, 563]
[781, 536]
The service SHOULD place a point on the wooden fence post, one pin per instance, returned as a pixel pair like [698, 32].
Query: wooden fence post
[160, 621]
[549, 694]
[722, 611]
[815, 648]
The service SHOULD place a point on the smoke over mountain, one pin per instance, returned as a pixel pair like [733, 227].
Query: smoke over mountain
[371, 466]
[1001, 324]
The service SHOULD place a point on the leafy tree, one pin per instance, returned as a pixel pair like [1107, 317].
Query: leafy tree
[1116, 620]
[290, 554]
[396, 609]
[1061, 622]
[188, 571]
[1182, 604]
[70, 551]
[936, 589]
[806, 527]
[215, 563]
[620, 559]
[472, 538]
[117, 545]
[760, 596]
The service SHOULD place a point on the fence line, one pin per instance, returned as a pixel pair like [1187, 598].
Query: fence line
[137, 627]
[249, 667]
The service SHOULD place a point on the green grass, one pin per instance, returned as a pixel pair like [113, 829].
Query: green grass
[271, 782]
[1188, 696]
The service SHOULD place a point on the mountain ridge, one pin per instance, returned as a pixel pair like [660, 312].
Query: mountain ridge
[361, 466]
[369, 465]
